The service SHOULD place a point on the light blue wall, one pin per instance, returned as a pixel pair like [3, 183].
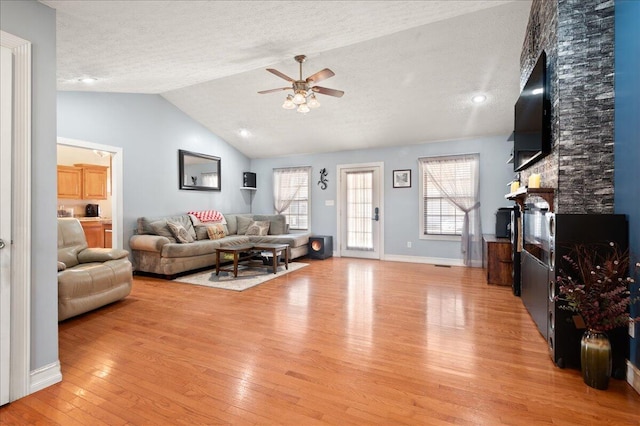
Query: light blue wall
[151, 130]
[36, 23]
[401, 206]
[627, 135]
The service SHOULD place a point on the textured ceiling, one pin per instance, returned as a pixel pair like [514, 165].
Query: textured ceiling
[408, 68]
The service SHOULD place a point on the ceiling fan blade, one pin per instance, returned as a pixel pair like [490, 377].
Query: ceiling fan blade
[320, 75]
[263, 92]
[326, 91]
[279, 74]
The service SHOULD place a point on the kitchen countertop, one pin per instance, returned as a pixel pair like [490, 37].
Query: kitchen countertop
[103, 220]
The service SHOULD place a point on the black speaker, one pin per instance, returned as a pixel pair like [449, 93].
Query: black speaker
[320, 247]
[248, 180]
[503, 222]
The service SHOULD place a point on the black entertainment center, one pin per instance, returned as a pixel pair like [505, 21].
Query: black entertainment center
[541, 237]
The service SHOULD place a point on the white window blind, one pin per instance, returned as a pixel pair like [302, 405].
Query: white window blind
[291, 195]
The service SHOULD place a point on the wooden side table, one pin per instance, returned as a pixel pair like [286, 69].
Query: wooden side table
[497, 260]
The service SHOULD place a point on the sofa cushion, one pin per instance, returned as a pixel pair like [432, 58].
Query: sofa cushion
[144, 224]
[232, 224]
[95, 254]
[160, 227]
[68, 256]
[201, 247]
[201, 232]
[294, 240]
[258, 228]
[277, 223]
[215, 232]
[180, 233]
[243, 224]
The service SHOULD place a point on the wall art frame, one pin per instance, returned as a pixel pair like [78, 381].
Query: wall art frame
[402, 178]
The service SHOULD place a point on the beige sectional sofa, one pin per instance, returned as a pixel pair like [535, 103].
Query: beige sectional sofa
[155, 249]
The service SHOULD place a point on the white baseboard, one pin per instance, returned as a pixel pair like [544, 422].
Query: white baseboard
[420, 259]
[45, 376]
[633, 376]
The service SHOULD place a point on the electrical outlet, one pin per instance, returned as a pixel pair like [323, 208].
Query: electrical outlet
[632, 330]
[408, 244]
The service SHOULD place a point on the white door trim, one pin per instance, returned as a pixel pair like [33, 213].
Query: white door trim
[116, 173]
[381, 184]
[21, 256]
[6, 142]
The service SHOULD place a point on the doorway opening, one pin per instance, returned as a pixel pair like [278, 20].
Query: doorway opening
[72, 151]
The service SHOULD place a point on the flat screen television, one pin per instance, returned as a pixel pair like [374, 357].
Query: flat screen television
[532, 129]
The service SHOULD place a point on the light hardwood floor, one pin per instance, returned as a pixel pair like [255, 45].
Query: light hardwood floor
[343, 341]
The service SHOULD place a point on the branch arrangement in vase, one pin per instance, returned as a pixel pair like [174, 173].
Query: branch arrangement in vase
[598, 289]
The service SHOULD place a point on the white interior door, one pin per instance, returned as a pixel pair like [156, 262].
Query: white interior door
[360, 216]
[6, 127]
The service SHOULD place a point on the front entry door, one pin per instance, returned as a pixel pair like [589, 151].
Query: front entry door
[360, 214]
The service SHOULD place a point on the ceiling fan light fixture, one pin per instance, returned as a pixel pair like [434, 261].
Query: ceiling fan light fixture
[300, 97]
[288, 103]
[303, 97]
[303, 108]
[313, 101]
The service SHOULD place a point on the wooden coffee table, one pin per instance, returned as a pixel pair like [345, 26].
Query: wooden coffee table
[243, 252]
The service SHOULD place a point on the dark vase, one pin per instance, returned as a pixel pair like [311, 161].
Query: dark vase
[595, 357]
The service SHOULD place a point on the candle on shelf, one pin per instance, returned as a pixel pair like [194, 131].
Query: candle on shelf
[515, 185]
[534, 181]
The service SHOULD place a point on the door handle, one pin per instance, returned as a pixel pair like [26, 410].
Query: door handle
[1, 244]
[376, 216]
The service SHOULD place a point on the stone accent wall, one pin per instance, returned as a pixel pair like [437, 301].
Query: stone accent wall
[578, 37]
[541, 35]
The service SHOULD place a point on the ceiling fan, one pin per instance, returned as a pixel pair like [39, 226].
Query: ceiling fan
[304, 91]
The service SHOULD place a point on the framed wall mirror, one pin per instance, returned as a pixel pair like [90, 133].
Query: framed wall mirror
[200, 172]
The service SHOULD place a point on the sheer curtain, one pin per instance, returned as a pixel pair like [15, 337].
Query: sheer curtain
[459, 183]
[287, 183]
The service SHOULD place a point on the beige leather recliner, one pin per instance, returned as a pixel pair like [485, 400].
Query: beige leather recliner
[88, 278]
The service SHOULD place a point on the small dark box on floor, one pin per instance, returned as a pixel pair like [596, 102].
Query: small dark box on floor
[320, 246]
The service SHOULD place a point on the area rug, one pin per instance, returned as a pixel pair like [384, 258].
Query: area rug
[247, 277]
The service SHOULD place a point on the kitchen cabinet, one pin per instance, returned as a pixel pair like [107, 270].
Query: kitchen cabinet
[69, 182]
[93, 232]
[82, 182]
[108, 234]
[94, 181]
[97, 232]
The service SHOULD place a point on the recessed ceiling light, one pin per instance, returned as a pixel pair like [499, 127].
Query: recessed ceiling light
[87, 80]
[244, 133]
[478, 99]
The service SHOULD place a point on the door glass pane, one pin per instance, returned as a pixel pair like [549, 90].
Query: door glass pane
[360, 210]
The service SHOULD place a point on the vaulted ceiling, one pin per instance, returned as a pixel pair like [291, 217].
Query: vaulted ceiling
[408, 69]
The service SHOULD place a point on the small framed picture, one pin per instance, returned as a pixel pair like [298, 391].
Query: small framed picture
[402, 178]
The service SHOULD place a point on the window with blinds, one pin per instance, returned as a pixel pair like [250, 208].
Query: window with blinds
[443, 179]
[291, 195]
